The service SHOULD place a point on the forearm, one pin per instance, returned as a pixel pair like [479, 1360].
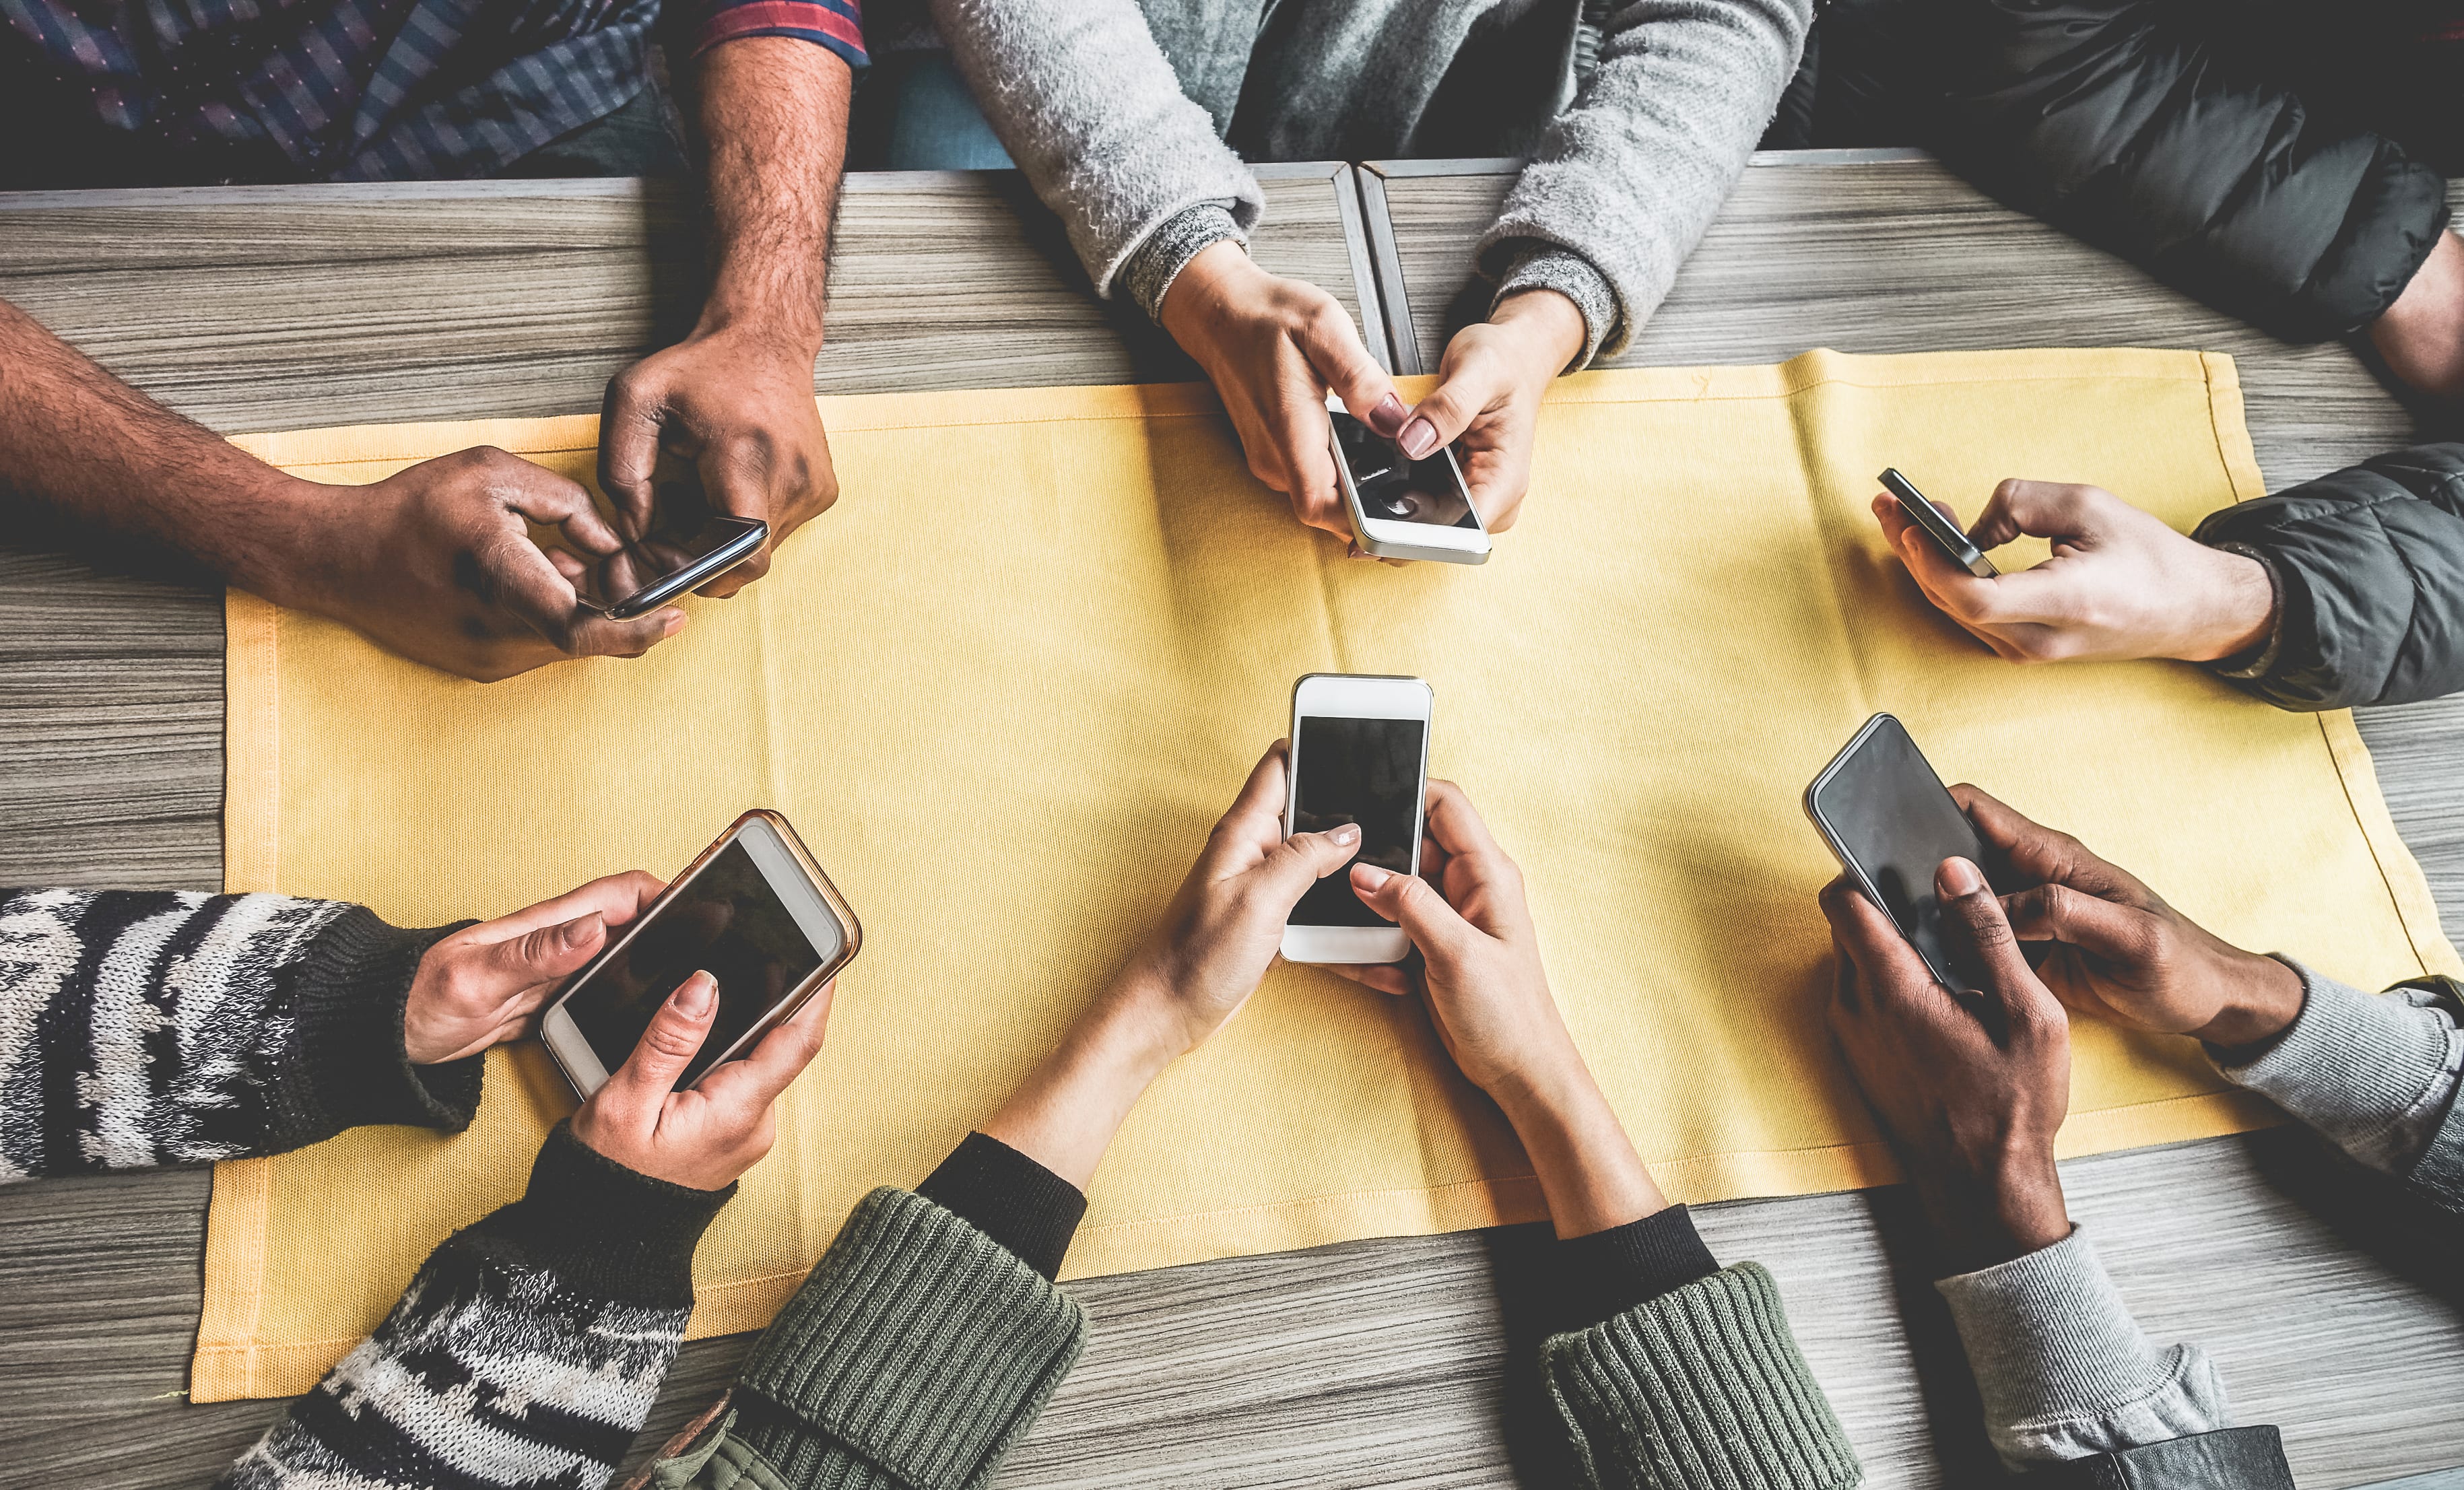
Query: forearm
[285, 1019]
[80, 443]
[1064, 1116]
[773, 113]
[1587, 1167]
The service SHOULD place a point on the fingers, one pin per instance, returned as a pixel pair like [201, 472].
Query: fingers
[667, 1047]
[778, 1058]
[2041, 854]
[1413, 904]
[1455, 826]
[1441, 417]
[1977, 934]
[1335, 352]
[1955, 591]
[629, 427]
[1253, 825]
[1304, 858]
[1387, 977]
[2115, 933]
[542, 496]
[616, 898]
[1298, 429]
[543, 955]
[2046, 509]
[1888, 970]
[739, 479]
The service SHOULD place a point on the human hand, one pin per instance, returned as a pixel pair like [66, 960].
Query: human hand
[2421, 336]
[738, 406]
[2120, 584]
[1488, 392]
[706, 1137]
[1272, 347]
[481, 986]
[436, 562]
[1970, 1088]
[2119, 950]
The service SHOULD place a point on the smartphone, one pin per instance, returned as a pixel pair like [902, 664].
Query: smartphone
[1892, 822]
[754, 911]
[1404, 508]
[644, 576]
[1946, 533]
[1360, 753]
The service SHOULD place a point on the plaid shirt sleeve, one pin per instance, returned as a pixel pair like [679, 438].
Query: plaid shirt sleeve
[835, 24]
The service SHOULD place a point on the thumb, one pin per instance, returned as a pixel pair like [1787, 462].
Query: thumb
[1302, 860]
[669, 1045]
[545, 955]
[1973, 926]
[2046, 509]
[2058, 912]
[1413, 904]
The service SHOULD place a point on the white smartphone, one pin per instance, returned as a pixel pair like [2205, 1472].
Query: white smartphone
[1404, 508]
[754, 911]
[1360, 753]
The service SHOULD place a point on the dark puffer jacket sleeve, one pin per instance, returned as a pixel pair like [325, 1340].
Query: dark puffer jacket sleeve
[2113, 121]
[2368, 564]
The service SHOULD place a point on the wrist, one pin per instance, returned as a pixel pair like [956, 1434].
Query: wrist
[2006, 1210]
[2234, 611]
[1201, 288]
[758, 328]
[1546, 326]
[2266, 998]
[303, 551]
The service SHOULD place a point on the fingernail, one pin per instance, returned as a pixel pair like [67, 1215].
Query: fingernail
[1958, 877]
[1348, 834]
[580, 929]
[1418, 438]
[1388, 416]
[693, 1000]
[1370, 877]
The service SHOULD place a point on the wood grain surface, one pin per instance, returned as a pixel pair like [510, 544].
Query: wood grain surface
[1378, 1363]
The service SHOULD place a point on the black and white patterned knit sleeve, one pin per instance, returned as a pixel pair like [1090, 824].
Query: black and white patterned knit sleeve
[149, 1027]
[526, 1354]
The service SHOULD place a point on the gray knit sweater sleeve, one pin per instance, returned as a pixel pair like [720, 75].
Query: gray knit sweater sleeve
[1628, 179]
[1089, 106]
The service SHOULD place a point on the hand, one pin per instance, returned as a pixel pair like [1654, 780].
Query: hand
[2421, 336]
[1488, 394]
[483, 985]
[1272, 348]
[2120, 950]
[2121, 584]
[704, 1138]
[1971, 1090]
[1487, 995]
[436, 562]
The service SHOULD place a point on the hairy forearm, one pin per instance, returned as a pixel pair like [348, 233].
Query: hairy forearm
[773, 113]
[80, 443]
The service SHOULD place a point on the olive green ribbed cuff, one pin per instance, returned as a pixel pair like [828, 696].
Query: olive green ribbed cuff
[1699, 1389]
[917, 1352]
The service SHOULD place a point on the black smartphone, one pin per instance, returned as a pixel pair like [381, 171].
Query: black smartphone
[1892, 822]
[1946, 533]
[646, 575]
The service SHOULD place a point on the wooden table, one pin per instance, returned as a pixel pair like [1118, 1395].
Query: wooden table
[1379, 1363]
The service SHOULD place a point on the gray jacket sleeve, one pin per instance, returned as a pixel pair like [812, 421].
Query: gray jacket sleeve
[1089, 107]
[2368, 565]
[1626, 180]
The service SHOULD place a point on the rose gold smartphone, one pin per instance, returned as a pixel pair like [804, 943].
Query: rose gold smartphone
[753, 910]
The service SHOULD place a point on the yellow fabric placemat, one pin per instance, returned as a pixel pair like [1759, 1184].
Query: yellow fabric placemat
[1004, 688]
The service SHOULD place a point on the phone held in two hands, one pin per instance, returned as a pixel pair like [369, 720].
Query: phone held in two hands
[1892, 822]
[754, 911]
[1402, 508]
[1360, 753]
[642, 576]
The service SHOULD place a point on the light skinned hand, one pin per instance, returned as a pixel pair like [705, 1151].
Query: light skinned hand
[1274, 348]
[1970, 1089]
[485, 984]
[2421, 336]
[707, 1136]
[2119, 950]
[1481, 978]
[2121, 583]
[436, 562]
[1488, 392]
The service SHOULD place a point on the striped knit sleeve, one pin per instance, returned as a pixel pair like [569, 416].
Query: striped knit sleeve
[1701, 1388]
[527, 1352]
[149, 1027]
[835, 24]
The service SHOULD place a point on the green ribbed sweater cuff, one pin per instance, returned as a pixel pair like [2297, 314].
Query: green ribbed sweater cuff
[915, 1355]
[1699, 1389]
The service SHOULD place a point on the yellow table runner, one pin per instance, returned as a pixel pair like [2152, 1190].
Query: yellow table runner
[1004, 688]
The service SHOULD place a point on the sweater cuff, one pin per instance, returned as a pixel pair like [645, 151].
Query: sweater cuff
[918, 1346]
[2258, 662]
[1607, 1273]
[345, 1064]
[1009, 1197]
[605, 1228]
[2063, 1370]
[2375, 1075]
[1538, 265]
[1151, 269]
[1703, 1386]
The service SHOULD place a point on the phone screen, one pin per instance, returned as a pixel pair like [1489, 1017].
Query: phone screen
[1394, 487]
[608, 584]
[1888, 814]
[726, 921]
[1364, 771]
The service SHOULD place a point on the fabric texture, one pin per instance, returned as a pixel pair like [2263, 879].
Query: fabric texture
[1607, 1273]
[149, 1027]
[526, 1353]
[1026, 1208]
[1700, 1389]
[2063, 1368]
[1105, 675]
[2368, 568]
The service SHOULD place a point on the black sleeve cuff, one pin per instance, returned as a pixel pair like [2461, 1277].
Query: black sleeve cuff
[606, 1229]
[346, 1065]
[1010, 1199]
[1607, 1273]
[2247, 1459]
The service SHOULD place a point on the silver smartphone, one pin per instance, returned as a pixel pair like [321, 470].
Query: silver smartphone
[1891, 822]
[641, 576]
[1360, 753]
[1944, 532]
[1402, 508]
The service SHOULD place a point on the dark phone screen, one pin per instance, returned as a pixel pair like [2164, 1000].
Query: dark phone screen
[1888, 813]
[1394, 487]
[608, 583]
[1364, 771]
[726, 921]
